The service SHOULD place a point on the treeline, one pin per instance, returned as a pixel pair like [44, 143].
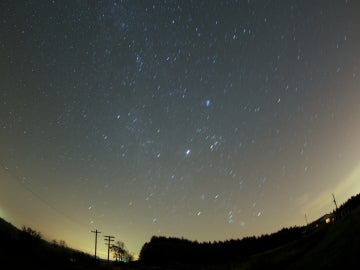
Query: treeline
[169, 250]
[26, 249]
[163, 250]
[348, 206]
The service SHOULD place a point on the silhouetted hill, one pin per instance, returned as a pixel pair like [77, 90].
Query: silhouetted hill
[7, 230]
[338, 247]
[332, 241]
[320, 245]
[25, 249]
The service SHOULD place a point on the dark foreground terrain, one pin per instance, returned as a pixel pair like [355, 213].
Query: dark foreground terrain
[320, 245]
[26, 250]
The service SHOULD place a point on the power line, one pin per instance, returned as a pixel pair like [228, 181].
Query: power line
[109, 239]
[26, 185]
[96, 235]
[336, 207]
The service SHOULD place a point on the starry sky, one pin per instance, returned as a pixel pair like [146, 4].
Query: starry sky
[209, 120]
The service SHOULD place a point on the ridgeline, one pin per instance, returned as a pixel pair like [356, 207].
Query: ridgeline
[331, 242]
[25, 249]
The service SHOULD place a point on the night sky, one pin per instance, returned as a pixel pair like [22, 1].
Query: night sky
[209, 120]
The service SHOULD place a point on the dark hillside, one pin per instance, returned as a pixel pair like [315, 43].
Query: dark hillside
[24, 249]
[338, 249]
[166, 250]
[319, 245]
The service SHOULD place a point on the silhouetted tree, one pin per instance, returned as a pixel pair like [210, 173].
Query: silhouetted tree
[62, 244]
[165, 250]
[32, 233]
[120, 252]
[30, 237]
[169, 250]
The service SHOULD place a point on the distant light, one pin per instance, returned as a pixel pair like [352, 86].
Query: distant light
[208, 103]
[188, 151]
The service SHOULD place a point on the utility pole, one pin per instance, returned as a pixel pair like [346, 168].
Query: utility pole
[96, 234]
[336, 207]
[109, 239]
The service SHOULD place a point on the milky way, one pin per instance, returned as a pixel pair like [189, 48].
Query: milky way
[207, 120]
